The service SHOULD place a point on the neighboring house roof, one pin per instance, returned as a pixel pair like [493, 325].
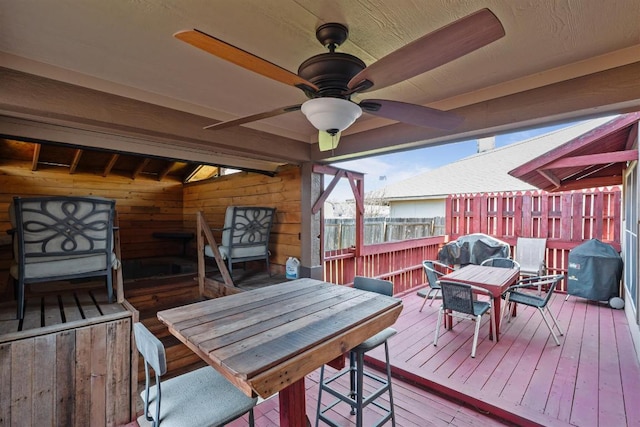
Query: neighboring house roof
[484, 172]
[595, 159]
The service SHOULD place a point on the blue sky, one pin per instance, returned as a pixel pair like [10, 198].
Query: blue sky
[386, 169]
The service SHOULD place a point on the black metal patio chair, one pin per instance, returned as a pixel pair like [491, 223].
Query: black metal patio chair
[460, 300]
[541, 284]
[433, 270]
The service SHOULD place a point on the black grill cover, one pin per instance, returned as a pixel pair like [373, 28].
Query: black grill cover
[595, 270]
[473, 249]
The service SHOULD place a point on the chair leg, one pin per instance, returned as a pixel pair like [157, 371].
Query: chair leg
[435, 293]
[555, 321]
[440, 314]
[359, 387]
[110, 286]
[353, 368]
[391, 407]
[553, 334]
[426, 297]
[268, 267]
[475, 336]
[20, 298]
[505, 306]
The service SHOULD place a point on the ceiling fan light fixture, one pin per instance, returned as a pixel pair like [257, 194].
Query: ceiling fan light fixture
[331, 115]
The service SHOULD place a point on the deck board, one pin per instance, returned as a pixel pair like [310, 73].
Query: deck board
[586, 381]
[591, 379]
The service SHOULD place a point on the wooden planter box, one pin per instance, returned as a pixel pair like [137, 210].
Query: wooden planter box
[76, 373]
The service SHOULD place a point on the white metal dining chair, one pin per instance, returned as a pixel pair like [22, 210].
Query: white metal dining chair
[198, 398]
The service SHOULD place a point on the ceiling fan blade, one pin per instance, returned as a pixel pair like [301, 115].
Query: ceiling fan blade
[243, 58]
[412, 114]
[432, 50]
[326, 141]
[253, 118]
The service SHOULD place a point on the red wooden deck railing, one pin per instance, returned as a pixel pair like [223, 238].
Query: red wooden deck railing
[400, 262]
[566, 219]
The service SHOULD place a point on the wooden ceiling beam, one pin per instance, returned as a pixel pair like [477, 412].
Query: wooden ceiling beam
[143, 163]
[632, 137]
[190, 172]
[76, 160]
[616, 90]
[36, 157]
[110, 164]
[594, 159]
[549, 176]
[602, 181]
[164, 172]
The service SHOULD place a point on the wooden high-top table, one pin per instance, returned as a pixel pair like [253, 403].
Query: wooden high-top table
[495, 279]
[265, 341]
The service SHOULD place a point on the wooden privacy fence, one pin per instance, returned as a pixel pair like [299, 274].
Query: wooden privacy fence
[339, 233]
[565, 219]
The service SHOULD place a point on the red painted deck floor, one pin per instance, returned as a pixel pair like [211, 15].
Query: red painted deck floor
[591, 379]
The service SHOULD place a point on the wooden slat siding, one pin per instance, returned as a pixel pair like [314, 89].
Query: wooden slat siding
[144, 205]
[65, 377]
[20, 395]
[282, 191]
[82, 396]
[44, 381]
[5, 380]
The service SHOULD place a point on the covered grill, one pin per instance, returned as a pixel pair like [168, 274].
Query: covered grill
[473, 249]
[595, 270]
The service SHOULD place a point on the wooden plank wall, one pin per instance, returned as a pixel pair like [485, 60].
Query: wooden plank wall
[144, 205]
[283, 192]
[76, 377]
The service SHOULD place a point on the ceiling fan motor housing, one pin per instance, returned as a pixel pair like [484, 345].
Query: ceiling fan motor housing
[331, 72]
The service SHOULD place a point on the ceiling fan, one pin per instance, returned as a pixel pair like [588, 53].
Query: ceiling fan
[331, 78]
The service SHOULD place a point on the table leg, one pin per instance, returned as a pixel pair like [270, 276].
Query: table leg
[496, 315]
[293, 405]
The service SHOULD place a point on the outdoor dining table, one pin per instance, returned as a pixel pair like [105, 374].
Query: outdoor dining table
[495, 279]
[266, 340]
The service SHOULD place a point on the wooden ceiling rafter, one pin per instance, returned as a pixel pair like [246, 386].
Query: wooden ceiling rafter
[36, 157]
[164, 172]
[632, 137]
[595, 159]
[191, 171]
[112, 162]
[76, 160]
[549, 176]
[143, 164]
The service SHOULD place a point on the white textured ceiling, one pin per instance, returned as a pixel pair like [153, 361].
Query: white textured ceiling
[126, 47]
